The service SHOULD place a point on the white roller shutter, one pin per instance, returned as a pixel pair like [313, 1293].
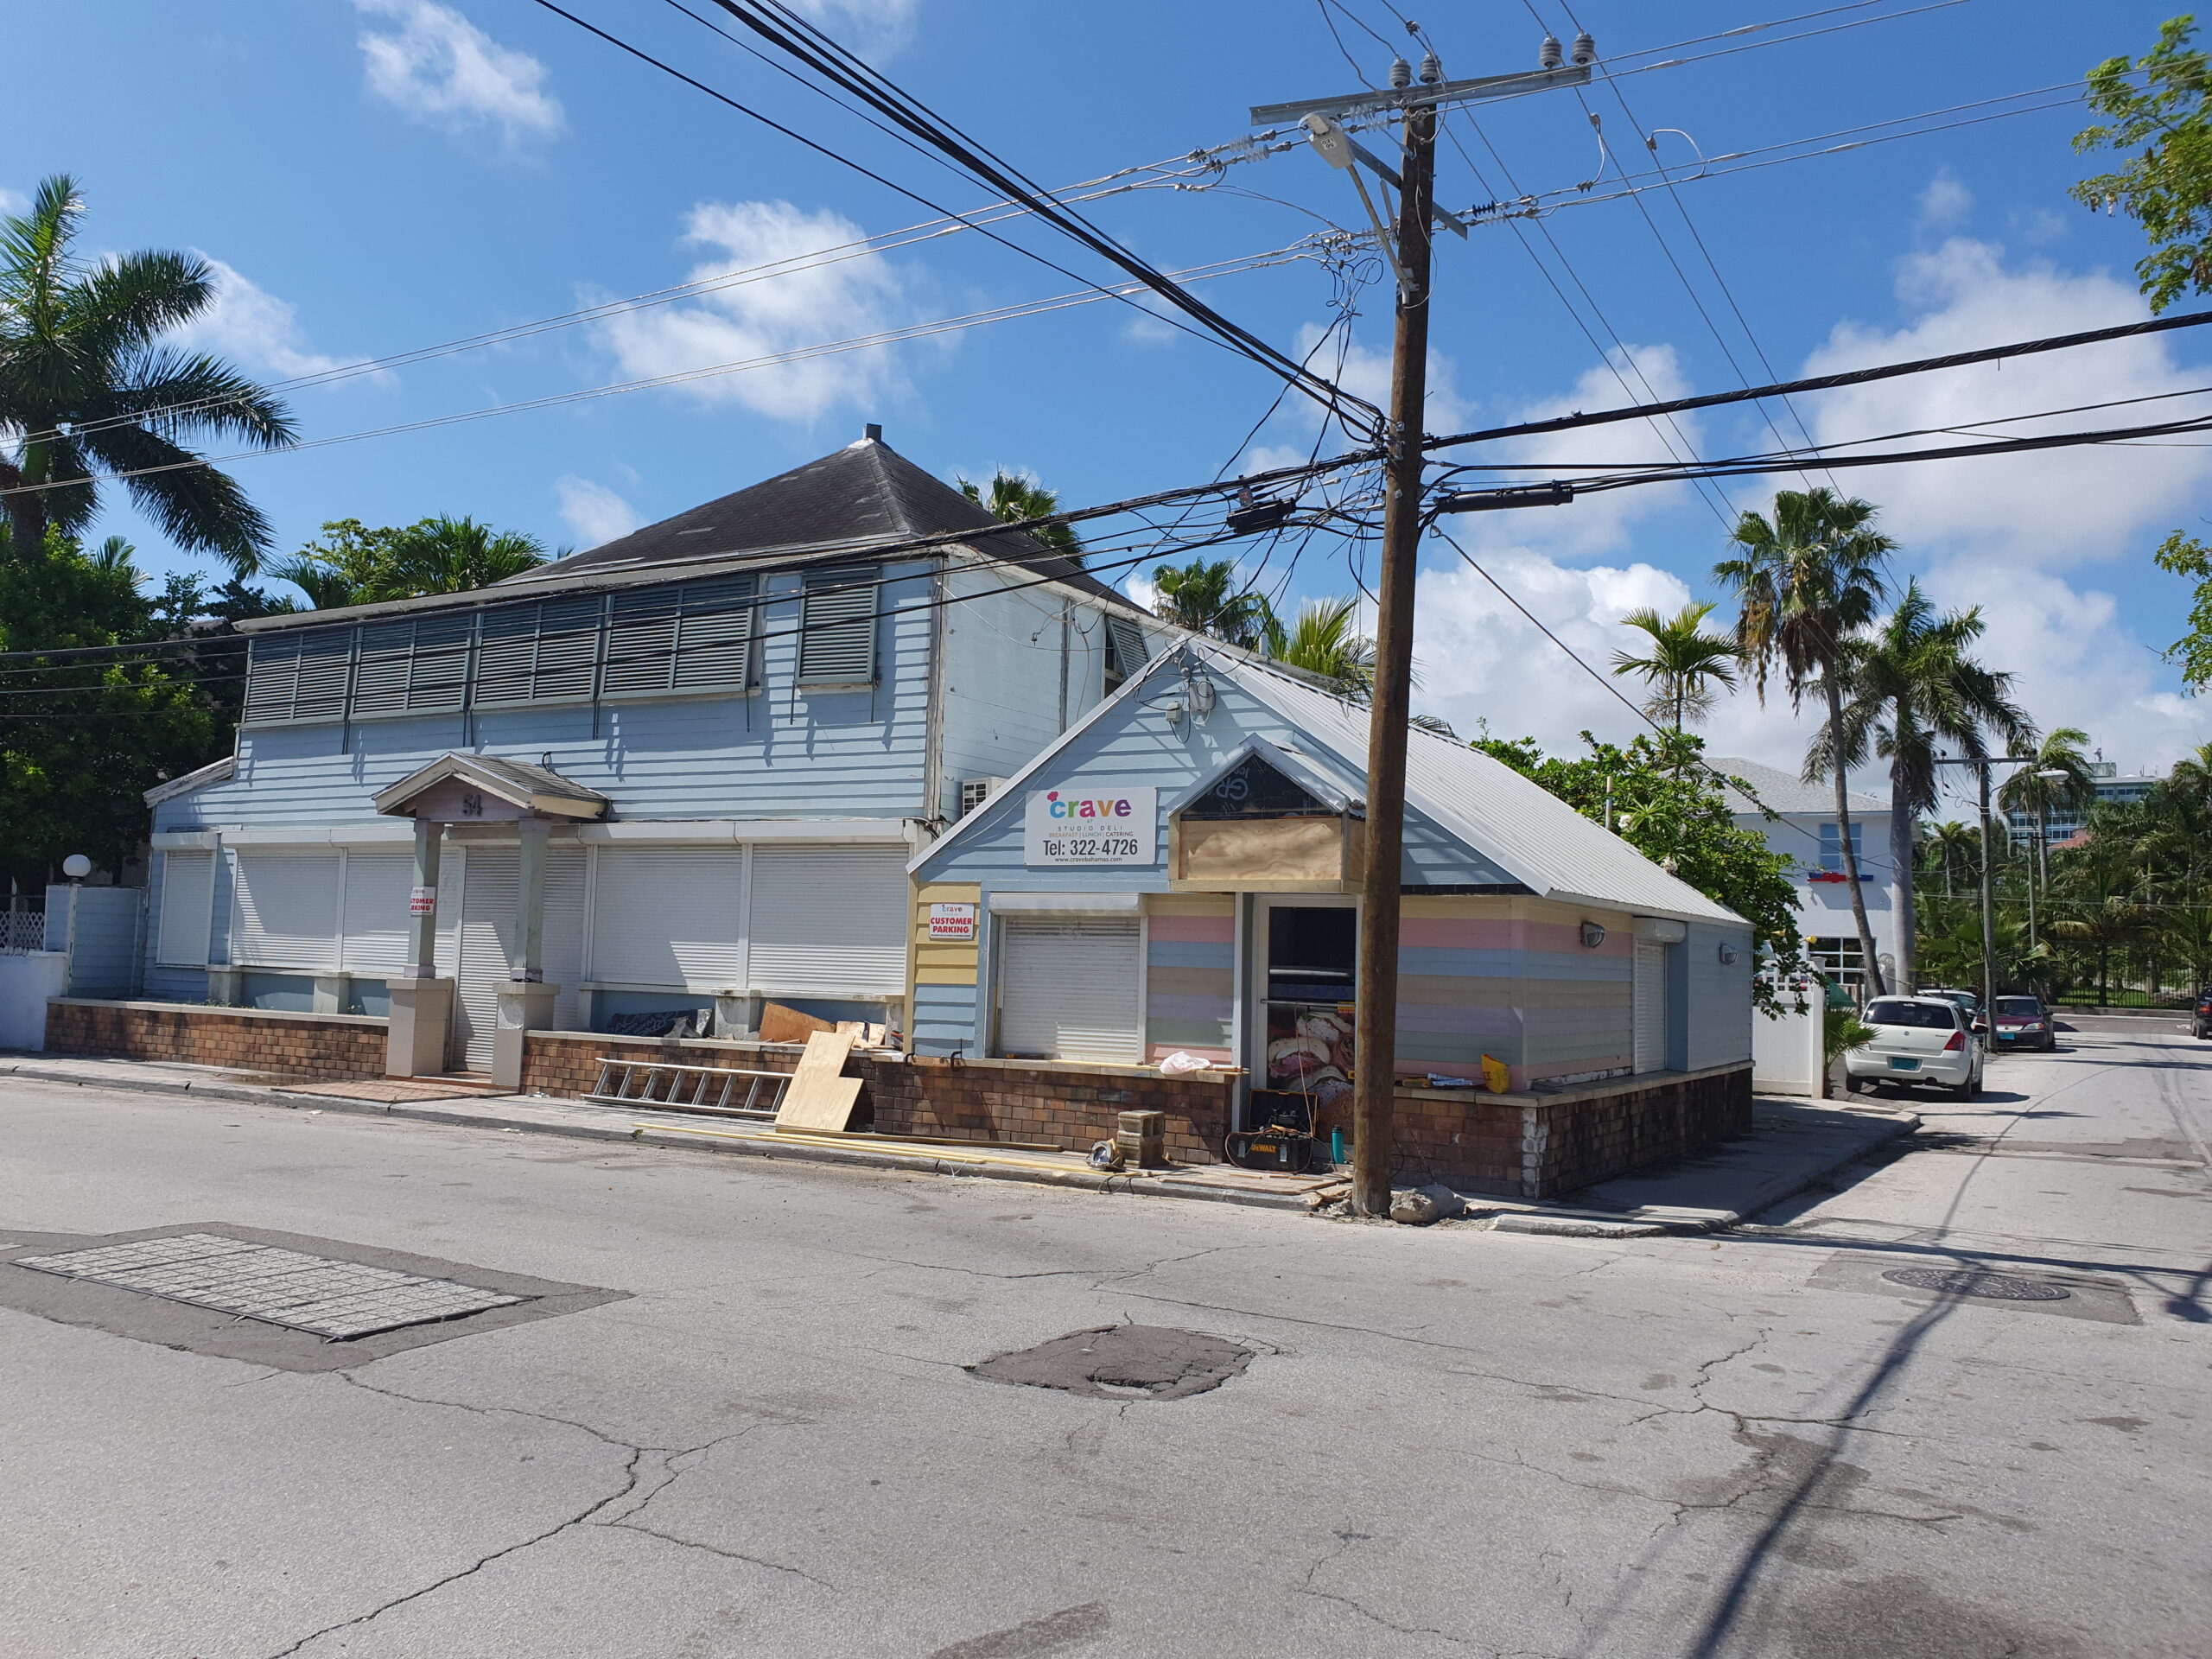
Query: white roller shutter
[1651, 1040]
[1068, 990]
[187, 909]
[669, 916]
[563, 941]
[830, 921]
[487, 933]
[375, 912]
[284, 911]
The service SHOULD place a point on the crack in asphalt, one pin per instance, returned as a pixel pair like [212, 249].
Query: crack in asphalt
[639, 1483]
[1346, 1541]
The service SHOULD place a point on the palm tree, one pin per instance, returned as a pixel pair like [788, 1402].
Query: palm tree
[355, 565]
[1326, 642]
[1685, 663]
[86, 389]
[1198, 596]
[1010, 498]
[1956, 846]
[1805, 582]
[1912, 688]
[2065, 750]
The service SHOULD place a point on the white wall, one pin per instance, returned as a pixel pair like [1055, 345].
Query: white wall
[26, 981]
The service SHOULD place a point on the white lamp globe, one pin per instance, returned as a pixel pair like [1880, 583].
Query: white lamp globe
[76, 866]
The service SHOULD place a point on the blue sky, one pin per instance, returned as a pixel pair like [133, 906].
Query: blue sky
[387, 174]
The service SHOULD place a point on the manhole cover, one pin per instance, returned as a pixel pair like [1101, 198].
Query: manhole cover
[314, 1293]
[1974, 1282]
[1123, 1361]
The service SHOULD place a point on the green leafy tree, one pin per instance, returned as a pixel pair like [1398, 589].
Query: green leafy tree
[353, 564]
[1203, 597]
[2182, 555]
[1668, 804]
[1805, 582]
[2158, 116]
[2064, 750]
[1325, 641]
[1683, 665]
[81, 738]
[86, 389]
[1913, 688]
[1009, 498]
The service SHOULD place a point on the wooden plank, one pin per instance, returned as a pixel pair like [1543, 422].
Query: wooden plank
[819, 1097]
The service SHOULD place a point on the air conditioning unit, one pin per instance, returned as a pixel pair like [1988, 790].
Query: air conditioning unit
[974, 791]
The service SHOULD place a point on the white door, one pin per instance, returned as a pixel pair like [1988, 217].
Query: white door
[487, 938]
[1650, 1041]
[1069, 990]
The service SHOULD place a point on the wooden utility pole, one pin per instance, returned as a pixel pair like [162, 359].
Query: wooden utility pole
[1376, 1006]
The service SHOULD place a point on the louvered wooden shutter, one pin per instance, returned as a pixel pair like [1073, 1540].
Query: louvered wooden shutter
[437, 673]
[837, 627]
[567, 649]
[1125, 648]
[284, 910]
[830, 921]
[1068, 990]
[380, 671]
[188, 907]
[326, 670]
[507, 654]
[716, 634]
[641, 642]
[668, 917]
[272, 677]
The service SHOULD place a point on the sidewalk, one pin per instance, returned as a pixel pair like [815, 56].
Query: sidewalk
[1794, 1145]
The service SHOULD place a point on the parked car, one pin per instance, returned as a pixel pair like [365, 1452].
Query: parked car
[2022, 1022]
[2204, 1014]
[1967, 1002]
[1917, 1040]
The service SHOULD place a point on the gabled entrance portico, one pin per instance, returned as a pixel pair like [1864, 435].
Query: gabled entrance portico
[479, 799]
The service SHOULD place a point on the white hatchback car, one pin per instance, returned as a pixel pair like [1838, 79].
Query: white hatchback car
[1917, 1040]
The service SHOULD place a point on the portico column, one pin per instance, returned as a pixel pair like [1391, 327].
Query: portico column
[421, 1003]
[526, 1001]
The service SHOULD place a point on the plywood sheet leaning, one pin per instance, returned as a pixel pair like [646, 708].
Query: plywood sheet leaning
[820, 1097]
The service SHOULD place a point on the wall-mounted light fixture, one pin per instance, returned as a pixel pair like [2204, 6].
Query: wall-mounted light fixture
[1727, 953]
[1592, 936]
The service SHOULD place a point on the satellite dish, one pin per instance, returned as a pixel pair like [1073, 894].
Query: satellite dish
[76, 866]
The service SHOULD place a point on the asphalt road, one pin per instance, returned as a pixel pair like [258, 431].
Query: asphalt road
[1447, 1440]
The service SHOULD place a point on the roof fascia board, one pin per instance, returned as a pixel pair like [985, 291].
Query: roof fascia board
[215, 771]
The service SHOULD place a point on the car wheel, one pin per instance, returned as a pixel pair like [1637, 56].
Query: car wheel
[1969, 1089]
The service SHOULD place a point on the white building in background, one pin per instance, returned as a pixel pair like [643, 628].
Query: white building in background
[2061, 823]
[1806, 834]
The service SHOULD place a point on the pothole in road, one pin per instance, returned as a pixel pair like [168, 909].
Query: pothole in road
[1971, 1282]
[1122, 1362]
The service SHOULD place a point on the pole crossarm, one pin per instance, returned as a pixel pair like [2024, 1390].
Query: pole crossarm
[1480, 89]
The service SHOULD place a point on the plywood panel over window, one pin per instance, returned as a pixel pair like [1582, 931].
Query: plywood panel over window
[1068, 990]
[831, 920]
[187, 909]
[669, 916]
[284, 910]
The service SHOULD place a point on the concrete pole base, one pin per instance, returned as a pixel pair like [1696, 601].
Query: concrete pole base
[523, 1008]
[422, 1026]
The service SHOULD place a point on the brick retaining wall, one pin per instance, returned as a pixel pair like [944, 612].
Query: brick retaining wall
[1527, 1146]
[331, 1047]
[1052, 1104]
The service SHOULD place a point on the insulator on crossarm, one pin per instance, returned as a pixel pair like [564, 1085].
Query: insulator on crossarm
[1402, 73]
[1548, 56]
[1431, 70]
[1586, 50]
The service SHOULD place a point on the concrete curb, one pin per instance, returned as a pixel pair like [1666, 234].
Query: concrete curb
[1763, 1196]
[672, 1138]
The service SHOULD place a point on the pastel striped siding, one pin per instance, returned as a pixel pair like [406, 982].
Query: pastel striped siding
[1476, 979]
[1189, 974]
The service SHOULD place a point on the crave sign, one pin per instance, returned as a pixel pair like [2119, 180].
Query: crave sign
[1075, 825]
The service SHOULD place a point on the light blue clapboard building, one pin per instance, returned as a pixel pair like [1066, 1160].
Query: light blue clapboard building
[689, 765]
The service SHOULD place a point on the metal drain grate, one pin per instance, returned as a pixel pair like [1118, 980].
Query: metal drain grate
[1974, 1282]
[314, 1293]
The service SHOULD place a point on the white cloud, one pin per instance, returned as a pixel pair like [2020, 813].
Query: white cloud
[440, 68]
[867, 26]
[797, 307]
[256, 330]
[1143, 328]
[2051, 507]
[12, 202]
[593, 511]
[1945, 202]
[1366, 373]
